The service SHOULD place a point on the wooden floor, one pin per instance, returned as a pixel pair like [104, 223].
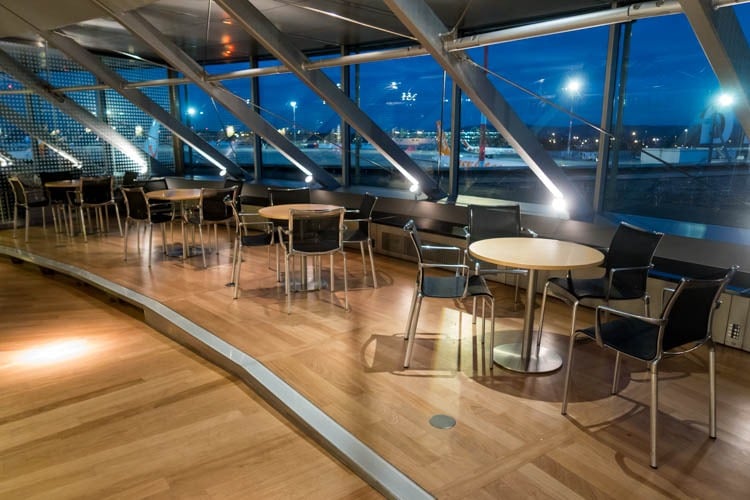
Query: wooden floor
[510, 440]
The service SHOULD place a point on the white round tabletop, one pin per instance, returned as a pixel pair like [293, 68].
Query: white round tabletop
[536, 253]
[281, 212]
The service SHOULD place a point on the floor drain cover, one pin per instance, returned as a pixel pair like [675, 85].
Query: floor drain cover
[442, 421]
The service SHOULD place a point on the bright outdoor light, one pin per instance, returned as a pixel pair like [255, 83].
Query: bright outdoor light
[191, 111]
[574, 86]
[725, 100]
[559, 205]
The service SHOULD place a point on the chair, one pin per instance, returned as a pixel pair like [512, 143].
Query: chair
[158, 184]
[58, 198]
[626, 266]
[684, 325]
[249, 234]
[284, 196]
[212, 210]
[27, 199]
[313, 233]
[129, 179]
[95, 193]
[502, 221]
[361, 235]
[138, 211]
[460, 285]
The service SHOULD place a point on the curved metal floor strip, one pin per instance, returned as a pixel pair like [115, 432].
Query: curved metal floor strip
[377, 471]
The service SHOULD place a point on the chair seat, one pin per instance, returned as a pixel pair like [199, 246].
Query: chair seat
[578, 289]
[630, 336]
[160, 217]
[256, 240]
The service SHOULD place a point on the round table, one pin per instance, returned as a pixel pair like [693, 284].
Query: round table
[281, 212]
[180, 196]
[533, 254]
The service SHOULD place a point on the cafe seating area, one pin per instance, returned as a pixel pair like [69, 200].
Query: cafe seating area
[347, 357]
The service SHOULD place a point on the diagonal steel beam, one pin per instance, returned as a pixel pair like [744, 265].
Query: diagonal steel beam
[37, 131]
[44, 90]
[726, 48]
[423, 23]
[257, 25]
[177, 58]
[95, 66]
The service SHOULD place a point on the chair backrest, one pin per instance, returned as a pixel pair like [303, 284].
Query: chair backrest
[155, 184]
[213, 206]
[136, 203]
[19, 192]
[57, 195]
[129, 178]
[284, 196]
[366, 208]
[631, 246]
[316, 231]
[96, 190]
[500, 221]
[689, 311]
[411, 228]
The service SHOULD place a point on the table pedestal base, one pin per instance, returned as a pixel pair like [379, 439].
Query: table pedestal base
[509, 356]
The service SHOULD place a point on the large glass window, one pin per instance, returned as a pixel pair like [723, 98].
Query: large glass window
[554, 84]
[410, 100]
[678, 151]
[305, 119]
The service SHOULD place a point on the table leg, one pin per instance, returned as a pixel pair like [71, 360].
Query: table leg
[519, 357]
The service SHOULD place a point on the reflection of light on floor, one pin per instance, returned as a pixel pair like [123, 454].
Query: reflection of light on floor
[54, 352]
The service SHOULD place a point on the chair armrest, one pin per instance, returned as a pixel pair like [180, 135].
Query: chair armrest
[439, 248]
[606, 311]
[467, 233]
[356, 220]
[529, 232]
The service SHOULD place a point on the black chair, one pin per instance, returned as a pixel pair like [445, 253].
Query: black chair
[313, 233]
[97, 194]
[129, 179]
[501, 221]
[285, 196]
[683, 326]
[58, 198]
[460, 285]
[158, 184]
[626, 266]
[138, 211]
[361, 235]
[250, 233]
[212, 210]
[27, 198]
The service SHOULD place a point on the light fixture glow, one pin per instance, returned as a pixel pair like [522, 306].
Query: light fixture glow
[725, 100]
[559, 204]
[55, 352]
[414, 187]
[309, 179]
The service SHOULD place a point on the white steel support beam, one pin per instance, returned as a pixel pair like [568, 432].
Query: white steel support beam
[95, 66]
[257, 25]
[422, 22]
[726, 48]
[177, 58]
[44, 90]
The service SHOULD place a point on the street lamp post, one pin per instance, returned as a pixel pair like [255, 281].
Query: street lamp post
[293, 104]
[572, 88]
